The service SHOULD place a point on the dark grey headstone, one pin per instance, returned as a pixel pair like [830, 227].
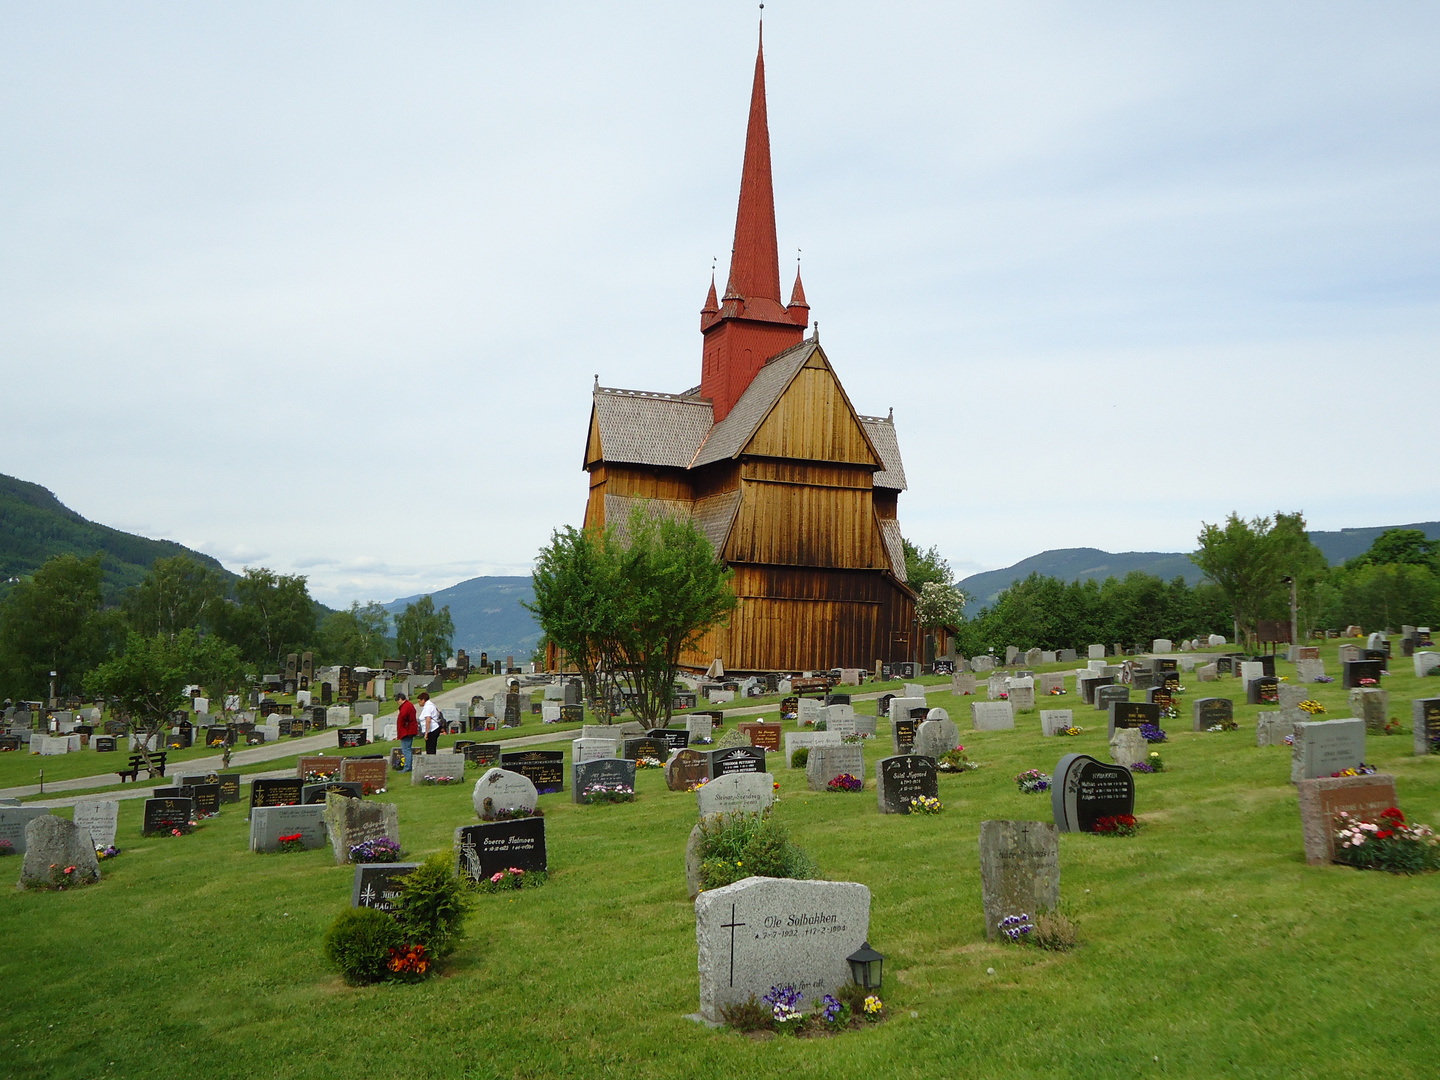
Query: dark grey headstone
[1211, 711]
[543, 768]
[1084, 790]
[733, 759]
[315, 793]
[486, 849]
[902, 778]
[1131, 714]
[376, 884]
[607, 771]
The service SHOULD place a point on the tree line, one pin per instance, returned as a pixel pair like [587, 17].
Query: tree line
[217, 632]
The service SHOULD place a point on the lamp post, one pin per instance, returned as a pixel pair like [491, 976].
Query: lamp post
[1294, 617]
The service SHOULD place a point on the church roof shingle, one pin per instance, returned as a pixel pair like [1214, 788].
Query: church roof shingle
[639, 428]
[730, 436]
[882, 433]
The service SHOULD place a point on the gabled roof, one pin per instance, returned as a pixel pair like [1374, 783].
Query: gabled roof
[894, 546]
[641, 428]
[729, 437]
[882, 434]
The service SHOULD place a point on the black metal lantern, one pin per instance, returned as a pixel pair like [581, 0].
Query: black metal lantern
[865, 967]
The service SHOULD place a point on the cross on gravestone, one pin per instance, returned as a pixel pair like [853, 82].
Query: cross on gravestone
[732, 926]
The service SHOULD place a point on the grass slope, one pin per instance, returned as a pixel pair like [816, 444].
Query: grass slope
[35, 525]
[1210, 947]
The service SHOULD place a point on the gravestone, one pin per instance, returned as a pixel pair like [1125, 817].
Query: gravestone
[544, 768]
[1131, 714]
[1210, 711]
[351, 822]
[423, 765]
[1323, 798]
[1263, 691]
[372, 774]
[902, 734]
[1055, 720]
[936, 737]
[1323, 747]
[840, 719]
[736, 793]
[865, 725]
[99, 817]
[350, 738]
[1096, 652]
[608, 771]
[1084, 790]
[1309, 671]
[1425, 717]
[1012, 653]
[764, 932]
[54, 841]
[1050, 682]
[992, 716]
[1019, 870]
[1426, 664]
[1088, 684]
[602, 731]
[676, 738]
[699, 727]
[318, 766]
[1127, 746]
[13, 820]
[737, 759]
[962, 683]
[766, 736]
[312, 794]
[491, 847]
[164, 815]
[1372, 705]
[904, 777]
[827, 762]
[1354, 671]
[1207, 673]
[591, 749]
[500, 790]
[686, 767]
[1022, 698]
[284, 792]
[269, 823]
[1105, 696]
[807, 711]
[1035, 656]
[377, 885]
[635, 749]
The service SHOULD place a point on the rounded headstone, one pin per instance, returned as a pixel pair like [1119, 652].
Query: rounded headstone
[937, 714]
[503, 790]
[56, 841]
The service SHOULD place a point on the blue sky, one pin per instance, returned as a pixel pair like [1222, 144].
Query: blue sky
[324, 287]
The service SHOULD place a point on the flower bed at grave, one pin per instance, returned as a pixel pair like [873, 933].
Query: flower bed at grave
[1324, 678]
[608, 793]
[649, 763]
[428, 779]
[1032, 782]
[955, 761]
[1367, 682]
[367, 787]
[512, 879]
[1314, 708]
[1057, 691]
[313, 776]
[1119, 825]
[1390, 844]
[182, 830]
[1225, 725]
[845, 782]
[6, 848]
[379, 850]
[62, 878]
[408, 963]
[1169, 712]
[924, 804]
[1152, 733]
[1071, 730]
[1153, 764]
[782, 1010]
[698, 784]
[1359, 770]
[109, 852]
[293, 842]
[489, 813]
[1016, 927]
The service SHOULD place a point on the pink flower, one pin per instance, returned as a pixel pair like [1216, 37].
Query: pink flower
[496, 877]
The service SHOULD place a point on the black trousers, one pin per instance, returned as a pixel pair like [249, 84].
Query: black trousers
[432, 741]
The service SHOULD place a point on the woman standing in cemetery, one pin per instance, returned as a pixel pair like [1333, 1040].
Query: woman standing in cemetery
[406, 728]
[430, 722]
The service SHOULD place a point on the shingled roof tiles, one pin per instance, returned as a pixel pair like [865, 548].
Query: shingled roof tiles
[882, 434]
[619, 507]
[650, 429]
[729, 436]
[714, 514]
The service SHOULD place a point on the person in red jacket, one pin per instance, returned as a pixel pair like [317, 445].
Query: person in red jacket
[406, 727]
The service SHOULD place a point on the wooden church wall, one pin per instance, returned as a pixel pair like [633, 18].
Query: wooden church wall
[812, 421]
[803, 525]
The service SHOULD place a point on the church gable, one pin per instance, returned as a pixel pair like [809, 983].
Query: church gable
[813, 420]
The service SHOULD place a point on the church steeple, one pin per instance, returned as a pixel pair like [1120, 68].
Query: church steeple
[751, 324]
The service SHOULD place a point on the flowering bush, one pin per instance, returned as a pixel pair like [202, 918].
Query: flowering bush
[649, 763]
[1119, 825]
[6, 848]
[511, 879]
[1032, 782]
[955, 761]
[380, 850]
[784, 1002]
[108, 852]
[1016, 927]
[293, 842]
[62, 878]
[834, 1013]
[925, 804]
[1314, 708]
[1154, 763]
[1359, 770]
[408, 963]
[1388, 844]
[1152, 733]
[608, 793]
[845, 782]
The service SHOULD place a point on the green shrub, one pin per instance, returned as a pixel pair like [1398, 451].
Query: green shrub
[736, 846]
[433, 903]
[359, 943]
[800, 758]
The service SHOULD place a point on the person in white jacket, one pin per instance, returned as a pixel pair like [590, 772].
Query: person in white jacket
[430, 722]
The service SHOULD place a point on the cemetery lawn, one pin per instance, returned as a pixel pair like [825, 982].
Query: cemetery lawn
[1210, 948]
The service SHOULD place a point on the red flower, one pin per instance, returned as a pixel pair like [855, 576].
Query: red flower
[1394, 814]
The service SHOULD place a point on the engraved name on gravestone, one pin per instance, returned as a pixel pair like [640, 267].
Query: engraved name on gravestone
[902, 778]
[351, 822]
[591, 749]
[1053, 721]
[1105, 696]
[1324, 747]
[1084, 790]
[737, 759]
[686, 767]
[1019, 870]
[675, 738]
[372, 774]
[610, 772]
[736, 793]
[488, 848]
[1322, 799]
[377, 885]
[502, 790]
[311, 794]
[544, 768]
[1425, 716]
[269, 823]
[645, 747]
[165, 815]
[765, 932]
[1132, 714]
[99, 817]
[1211, 711]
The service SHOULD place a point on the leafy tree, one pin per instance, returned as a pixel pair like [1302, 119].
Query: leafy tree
[176, 594]
[272, 616]
[146, 684]
[357, 637]
[572, 580]
[219, 668]
[923, 567]
[53, 622]
[1247, 560]
[420, 629]
[1408, 547]
[940, 605]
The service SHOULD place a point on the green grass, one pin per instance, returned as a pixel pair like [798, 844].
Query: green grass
[1210, 947]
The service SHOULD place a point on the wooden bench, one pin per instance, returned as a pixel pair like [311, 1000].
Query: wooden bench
[137, 762]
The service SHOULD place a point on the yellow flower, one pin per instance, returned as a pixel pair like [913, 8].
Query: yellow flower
[739, 864]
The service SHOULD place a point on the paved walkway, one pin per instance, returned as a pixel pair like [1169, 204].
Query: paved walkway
[310, 744]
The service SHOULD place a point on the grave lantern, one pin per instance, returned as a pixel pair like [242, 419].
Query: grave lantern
[865, 967]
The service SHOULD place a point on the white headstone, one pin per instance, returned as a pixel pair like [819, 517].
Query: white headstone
[840, 719]
[1096, 652]
[1162, 645]
[1425, 663]
[1053, 720]
[735, 793]
[582, 750]
[992, 716]
[451, 765]
[1324, 747]
[505, 790]
[100, 817]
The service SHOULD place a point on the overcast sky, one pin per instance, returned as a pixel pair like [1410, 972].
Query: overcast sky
[324, 287]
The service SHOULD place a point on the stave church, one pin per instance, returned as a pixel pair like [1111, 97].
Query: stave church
[797, 491]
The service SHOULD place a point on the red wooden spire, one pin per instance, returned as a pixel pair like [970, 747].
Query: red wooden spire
[752, 323]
